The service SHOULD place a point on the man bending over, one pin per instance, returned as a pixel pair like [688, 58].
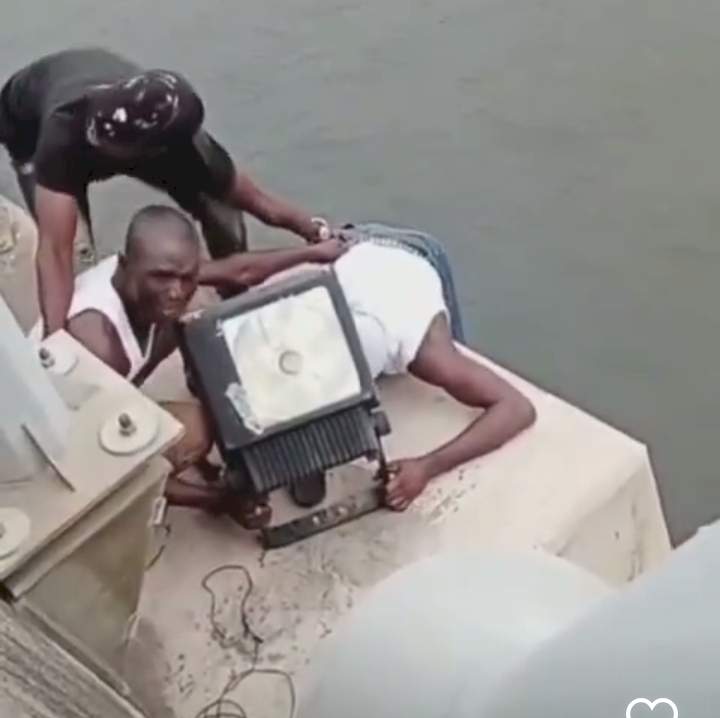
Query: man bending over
[85, 115]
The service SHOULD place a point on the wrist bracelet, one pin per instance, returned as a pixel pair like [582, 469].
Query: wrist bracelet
[323, 228]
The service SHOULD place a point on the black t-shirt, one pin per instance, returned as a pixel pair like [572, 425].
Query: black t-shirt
[43, 118]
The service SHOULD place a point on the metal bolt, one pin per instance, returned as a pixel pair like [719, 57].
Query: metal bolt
[126, 424]
[46, 357]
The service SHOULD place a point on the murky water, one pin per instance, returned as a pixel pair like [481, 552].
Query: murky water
[566, 150]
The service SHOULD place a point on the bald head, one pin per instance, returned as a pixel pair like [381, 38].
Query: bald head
[156, 225]
[159, 269]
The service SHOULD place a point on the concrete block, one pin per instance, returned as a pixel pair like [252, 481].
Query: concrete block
[571, 486]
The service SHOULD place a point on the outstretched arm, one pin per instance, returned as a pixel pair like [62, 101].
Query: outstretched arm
[57, 216]
[506, 413]
[272, 210]
[242, 270]
[228, 183]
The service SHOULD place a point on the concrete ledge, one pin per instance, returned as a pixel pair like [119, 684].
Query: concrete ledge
[571, 485]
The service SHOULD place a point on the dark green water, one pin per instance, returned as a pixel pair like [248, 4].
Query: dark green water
[566, 150]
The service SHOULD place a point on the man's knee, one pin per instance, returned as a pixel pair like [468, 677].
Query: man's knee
[197, 441]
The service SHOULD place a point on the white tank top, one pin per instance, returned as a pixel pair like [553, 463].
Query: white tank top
[94, 291]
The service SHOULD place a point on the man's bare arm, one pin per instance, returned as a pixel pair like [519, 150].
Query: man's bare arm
[248, 269]
[99, 336]
[271, 210]
[57, 216]
[506, 412]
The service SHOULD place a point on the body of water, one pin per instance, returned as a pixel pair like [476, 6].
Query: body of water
[564, 149]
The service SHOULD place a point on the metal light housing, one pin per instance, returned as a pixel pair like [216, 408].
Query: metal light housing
[284, 378]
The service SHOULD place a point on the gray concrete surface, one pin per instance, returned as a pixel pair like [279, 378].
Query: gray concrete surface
[565, 149]
[571, 486]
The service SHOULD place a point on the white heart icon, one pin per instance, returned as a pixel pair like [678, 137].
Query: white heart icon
[651, 705]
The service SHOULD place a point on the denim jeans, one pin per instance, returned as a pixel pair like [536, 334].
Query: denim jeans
[425, 246]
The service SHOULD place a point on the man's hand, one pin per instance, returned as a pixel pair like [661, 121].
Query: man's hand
[273, 211]
[408, 479]
[328, 251]
[247, 269]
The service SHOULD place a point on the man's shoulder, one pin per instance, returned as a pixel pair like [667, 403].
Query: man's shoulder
[94, 290]
[96, 319]
[60, 131]
[61, 79]
[97, 332]
[95, 329]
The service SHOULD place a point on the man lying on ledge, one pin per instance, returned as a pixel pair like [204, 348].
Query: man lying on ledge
[401, 293]
[398, 290]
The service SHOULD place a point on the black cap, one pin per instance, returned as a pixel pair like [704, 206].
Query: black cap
[155, 108]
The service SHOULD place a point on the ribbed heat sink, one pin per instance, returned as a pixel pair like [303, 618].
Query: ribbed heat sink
[299, 453]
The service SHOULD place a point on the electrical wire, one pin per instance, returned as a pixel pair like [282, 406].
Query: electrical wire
[222, 706]
[167, 529]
